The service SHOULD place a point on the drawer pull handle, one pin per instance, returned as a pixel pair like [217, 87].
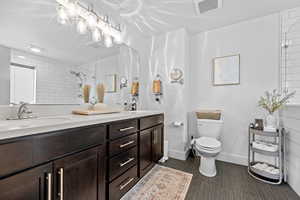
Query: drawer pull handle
[126, 144]
[49, 186]
[125, 184]
[127, 162]
[61, 184]
[126, 129]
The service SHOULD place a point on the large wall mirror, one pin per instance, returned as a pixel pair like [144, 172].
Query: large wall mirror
[45, 62]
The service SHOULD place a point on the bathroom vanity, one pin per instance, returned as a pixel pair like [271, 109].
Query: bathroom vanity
[94, 158]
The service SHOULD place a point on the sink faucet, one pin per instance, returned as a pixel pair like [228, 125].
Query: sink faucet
[23, 110]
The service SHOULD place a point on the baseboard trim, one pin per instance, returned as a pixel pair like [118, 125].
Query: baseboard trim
[233, 158]
[179, 155]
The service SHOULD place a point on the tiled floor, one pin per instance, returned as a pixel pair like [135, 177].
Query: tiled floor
[231, 183]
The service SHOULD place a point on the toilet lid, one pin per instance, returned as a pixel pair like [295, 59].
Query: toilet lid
[209, 143]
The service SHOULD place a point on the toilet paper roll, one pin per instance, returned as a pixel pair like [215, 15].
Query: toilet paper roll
[177, 124]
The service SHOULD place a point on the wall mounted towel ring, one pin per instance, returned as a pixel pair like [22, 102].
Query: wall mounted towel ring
[176, 76]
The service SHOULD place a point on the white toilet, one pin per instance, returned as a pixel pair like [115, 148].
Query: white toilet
[208, 144]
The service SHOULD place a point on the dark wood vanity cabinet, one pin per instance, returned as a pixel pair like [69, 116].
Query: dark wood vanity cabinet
[151, 143]
[98, 162]
[145, 151]
[33, 184]
[157, 143]
[76, 176]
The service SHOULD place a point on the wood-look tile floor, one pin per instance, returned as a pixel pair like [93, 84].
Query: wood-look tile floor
[231, 183]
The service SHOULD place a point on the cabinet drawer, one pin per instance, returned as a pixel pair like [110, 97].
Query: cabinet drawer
[148, 122]
[119, 164]
[123, 184]
[15, 156]
[54, 145]
[123, 144]
[124, 128]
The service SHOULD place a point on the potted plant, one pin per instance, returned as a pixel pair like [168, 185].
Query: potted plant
[273, 101]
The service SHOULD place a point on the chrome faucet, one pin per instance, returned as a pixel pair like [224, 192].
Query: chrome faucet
[23, 110]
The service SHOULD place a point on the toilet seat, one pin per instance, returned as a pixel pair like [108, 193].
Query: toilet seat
[208, 144]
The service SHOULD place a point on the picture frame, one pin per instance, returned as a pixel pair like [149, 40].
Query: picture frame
[226, 70]
[110, 82]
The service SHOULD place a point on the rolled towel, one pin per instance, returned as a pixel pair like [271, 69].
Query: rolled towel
[100, 92]
[86, 93]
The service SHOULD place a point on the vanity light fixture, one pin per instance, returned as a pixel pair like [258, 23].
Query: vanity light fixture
[108, 41]
[21, 57]
[88, 19]
[96, 35]
[82, 27]
[35, 49]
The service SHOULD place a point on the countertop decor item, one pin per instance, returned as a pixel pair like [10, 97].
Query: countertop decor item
[274, 146]
[86, 93]
[98, 109]
[100, 92]
[273, 101]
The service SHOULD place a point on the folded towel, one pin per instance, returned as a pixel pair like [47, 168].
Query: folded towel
[267, 168]
[265, 146]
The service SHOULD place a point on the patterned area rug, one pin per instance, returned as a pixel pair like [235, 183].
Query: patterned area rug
[161, 183]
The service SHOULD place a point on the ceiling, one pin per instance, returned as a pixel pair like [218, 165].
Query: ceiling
[25, 22]
[155, 16]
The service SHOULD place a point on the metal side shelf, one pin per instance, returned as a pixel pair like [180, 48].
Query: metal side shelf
[278, 156]
[264, 133]
[264, 152]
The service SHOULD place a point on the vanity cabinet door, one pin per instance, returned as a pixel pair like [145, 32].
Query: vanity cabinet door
[33, 184]
[158, 142]
[76, 176]
[145, 151]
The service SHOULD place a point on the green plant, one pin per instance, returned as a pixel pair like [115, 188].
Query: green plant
[274, 100]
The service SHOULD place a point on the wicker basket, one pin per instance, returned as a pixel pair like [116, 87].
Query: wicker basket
[209, 114]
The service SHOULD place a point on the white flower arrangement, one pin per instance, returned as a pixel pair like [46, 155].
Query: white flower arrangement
[273, 101]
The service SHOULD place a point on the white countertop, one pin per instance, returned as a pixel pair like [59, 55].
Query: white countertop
[19, 128]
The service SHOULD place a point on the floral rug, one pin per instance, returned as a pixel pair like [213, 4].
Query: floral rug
[161, 183]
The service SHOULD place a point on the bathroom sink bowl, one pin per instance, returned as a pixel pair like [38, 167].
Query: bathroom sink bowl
[34, 122]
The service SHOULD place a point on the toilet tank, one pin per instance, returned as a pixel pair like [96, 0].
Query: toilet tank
[209, 128]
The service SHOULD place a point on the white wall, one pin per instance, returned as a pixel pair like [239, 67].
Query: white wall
[4, 75]
[290, 116]
[168, 51]
[257, 42]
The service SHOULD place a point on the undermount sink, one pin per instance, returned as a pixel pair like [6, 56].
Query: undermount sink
[27, 123]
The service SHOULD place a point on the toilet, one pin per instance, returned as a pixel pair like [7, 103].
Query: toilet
[208, 144]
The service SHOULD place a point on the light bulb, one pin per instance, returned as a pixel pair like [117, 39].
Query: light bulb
[81, 27]
[118, 39]
[108, 41]
[72, 10]
[62, 15]
[96, 35]
[91, 20]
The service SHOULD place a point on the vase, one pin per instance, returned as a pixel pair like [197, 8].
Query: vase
[271, 122]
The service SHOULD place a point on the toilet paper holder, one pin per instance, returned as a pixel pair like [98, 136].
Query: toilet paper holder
[177, 124]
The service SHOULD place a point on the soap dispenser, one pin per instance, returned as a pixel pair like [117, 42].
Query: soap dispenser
[157, 88]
